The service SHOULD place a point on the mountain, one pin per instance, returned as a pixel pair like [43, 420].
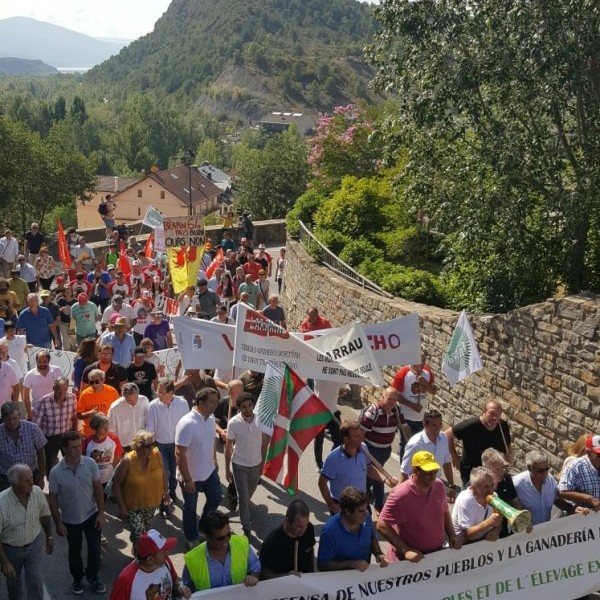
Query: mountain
[243, 57]
[23, 37]
[21, 66]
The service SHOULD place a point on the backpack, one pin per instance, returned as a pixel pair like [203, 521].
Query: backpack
[103, 208]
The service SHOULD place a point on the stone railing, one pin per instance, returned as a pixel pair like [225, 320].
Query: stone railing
[541, 361]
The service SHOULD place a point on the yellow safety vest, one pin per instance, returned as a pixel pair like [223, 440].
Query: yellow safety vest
[196, 561]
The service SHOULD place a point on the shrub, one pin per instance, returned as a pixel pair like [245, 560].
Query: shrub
[303, 210]
[358, 251]
[332, 239]
[414, 285]
[409, 246]
[377, 269]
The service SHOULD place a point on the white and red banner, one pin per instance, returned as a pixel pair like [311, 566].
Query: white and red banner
[344, 356]
[394, 342]
[559, 560]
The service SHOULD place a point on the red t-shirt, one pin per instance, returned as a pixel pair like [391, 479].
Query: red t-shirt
[320, 323]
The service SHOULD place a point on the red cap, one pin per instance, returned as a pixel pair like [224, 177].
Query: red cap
[152, 542]
[593, 443]
[82, 298]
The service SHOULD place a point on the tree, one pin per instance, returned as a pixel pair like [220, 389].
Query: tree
[499, 107]
[272, 178]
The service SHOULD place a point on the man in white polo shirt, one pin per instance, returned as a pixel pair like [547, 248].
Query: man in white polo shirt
[196, 454]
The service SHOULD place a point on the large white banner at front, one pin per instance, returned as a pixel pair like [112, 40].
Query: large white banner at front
[560, 560]
[345, 357]
[394, 342]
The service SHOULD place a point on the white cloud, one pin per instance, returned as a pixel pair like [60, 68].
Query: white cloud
[127, 19]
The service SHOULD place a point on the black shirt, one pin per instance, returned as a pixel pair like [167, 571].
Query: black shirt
[221, 412]
[34, 242]
[143, 377]
[114, 376]
[277, 552]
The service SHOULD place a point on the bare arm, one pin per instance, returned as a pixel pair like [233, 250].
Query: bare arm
[182, 463]
[228, 455]
[493, 522]
[41, 464]
[581, 498]
[452, 448]
[402, 549]
[27, 402]
[333, 506]
[118, 480]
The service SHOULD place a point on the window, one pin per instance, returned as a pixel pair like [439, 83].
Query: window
[139, 212]
[139, 193]
[162, 195]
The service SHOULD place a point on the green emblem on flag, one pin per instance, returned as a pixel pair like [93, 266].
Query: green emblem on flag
[458, 355]
[269, 405]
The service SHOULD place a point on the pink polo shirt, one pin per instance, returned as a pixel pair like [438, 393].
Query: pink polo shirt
[416, 517]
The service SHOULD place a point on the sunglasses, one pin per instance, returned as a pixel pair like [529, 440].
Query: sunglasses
[222, 538]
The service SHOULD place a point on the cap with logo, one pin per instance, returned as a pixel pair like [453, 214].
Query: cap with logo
[425, 461]
[152, 542]
[593, 443]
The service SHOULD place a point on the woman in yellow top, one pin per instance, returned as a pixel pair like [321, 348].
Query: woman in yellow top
[140, 484]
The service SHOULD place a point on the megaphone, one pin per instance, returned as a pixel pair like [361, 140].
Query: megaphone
[519, 520]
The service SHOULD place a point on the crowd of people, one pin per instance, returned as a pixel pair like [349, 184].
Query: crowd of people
[120, 433]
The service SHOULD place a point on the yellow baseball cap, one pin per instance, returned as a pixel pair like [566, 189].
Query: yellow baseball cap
[425, 461]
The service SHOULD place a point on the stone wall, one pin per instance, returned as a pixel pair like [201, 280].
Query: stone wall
[541, 361]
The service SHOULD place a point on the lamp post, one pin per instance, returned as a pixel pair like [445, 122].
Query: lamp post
[188, 159]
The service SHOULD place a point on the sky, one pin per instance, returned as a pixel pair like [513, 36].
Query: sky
[126, 19]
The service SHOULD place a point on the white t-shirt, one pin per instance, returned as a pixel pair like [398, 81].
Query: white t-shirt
[197, 434]
[125, 311]
[157, 584]
[468, 512]
[247, 438]
[104, 454]
[39, 384]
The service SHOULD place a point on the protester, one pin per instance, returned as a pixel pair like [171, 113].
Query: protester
[24, 513]
[114, 374]
[580, 481]
[140, 485]
[289, 548]
[65, 302]
[263, 285]
[274, 312]
[77, 505]
[164, 413]
[86, 356]
[472, 517]
[380, 421]
[347, 465]
[197, 467]
[33, 242]
[348, 538]
[205, 302]
[56, 414]
[143, 373]
[128, 414]
[103, 446]
[243, 456]
[17, 346]
[9, 379]
[223, 559]
[488, 430]
[122, 342]
[21, 441]
[251, 289]
[9, 251]
[158, 331]
[46, 268]
[96, 398]
[280, 268]
[85, 314]
[410, 530]
[152, 570]
[9, 301]
[37, 324]
[39, 381]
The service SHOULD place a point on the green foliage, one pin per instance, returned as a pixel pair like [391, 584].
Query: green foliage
[356, 252]
[335, 241]
[414, 285]
[356, 209]
[499, 110]
[304, 210]
[408, 246]
[272, 178]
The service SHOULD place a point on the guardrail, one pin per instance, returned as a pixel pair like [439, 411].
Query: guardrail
[328, 259]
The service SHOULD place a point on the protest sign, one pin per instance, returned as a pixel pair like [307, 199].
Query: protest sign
[558, 560]
[153, 218]
[159, 240]
[60, 358]
[183, 232]
[343, 357]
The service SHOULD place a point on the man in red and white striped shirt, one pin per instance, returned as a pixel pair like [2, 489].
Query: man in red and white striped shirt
[379, 422]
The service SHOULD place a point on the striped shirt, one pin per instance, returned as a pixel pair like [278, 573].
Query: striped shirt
[380, 426]
[20, 525]
[54, 418]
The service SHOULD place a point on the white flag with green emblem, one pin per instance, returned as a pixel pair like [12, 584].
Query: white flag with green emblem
[267, 404]
[462, 356]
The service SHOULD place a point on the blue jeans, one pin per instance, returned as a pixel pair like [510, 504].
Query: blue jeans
[29, 558]
[415, 427]
[93, 537]
[167, 451]
[381, 455]
[211, 488]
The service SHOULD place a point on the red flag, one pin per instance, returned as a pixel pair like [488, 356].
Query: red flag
[63, 249]
[149, 248]
[215, 262]
[123, 262]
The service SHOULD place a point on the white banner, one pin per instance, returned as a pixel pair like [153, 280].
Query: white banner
[394, 342]
[159, 240]
[558, 561]
[153, 218]
[184, 231]
[343, 357]
[168, 360]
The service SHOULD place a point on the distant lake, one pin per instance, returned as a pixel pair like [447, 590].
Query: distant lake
[73, 69]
